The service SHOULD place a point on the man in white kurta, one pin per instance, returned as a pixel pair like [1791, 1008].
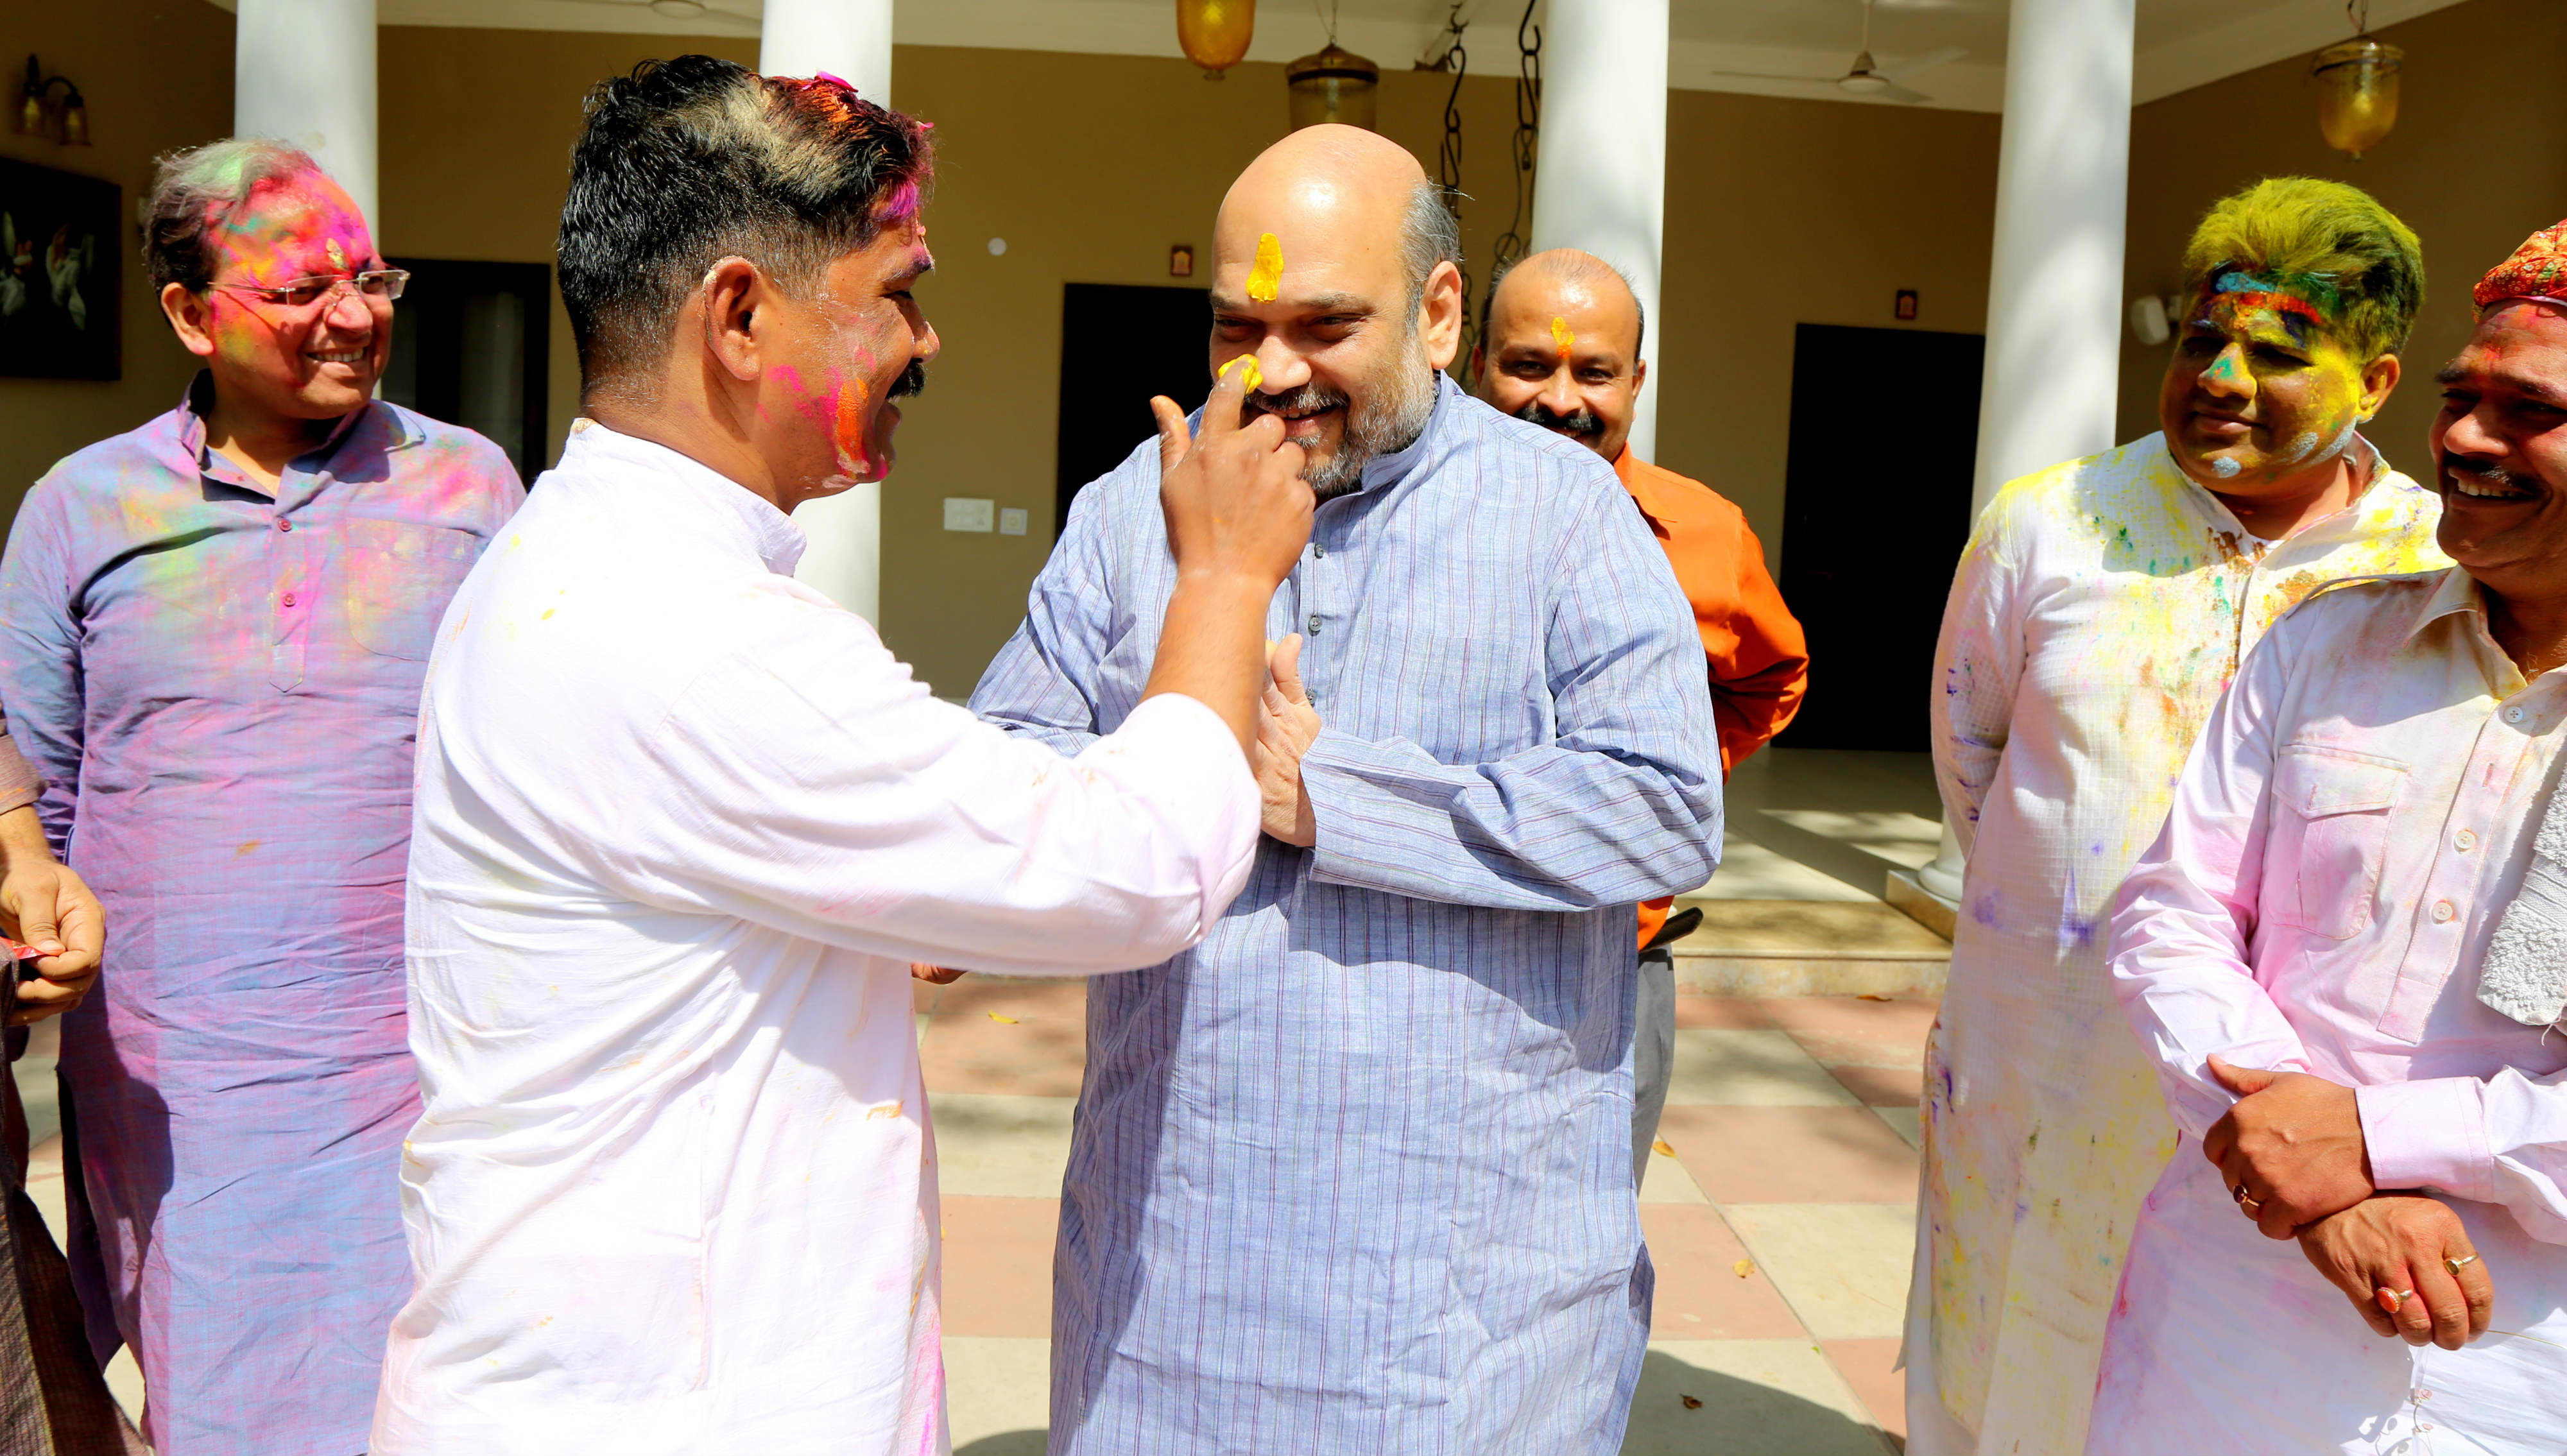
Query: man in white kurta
[2098, 611]
[683, 825]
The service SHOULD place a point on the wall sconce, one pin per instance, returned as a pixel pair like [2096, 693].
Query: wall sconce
[2358, 87]
[40, 113]
[1214, 34]
[1333, 85]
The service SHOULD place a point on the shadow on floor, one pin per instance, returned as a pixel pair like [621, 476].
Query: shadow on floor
[1737, 1417]
[1841, 780]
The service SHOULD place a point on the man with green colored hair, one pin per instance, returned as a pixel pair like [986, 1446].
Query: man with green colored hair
[2100, 609]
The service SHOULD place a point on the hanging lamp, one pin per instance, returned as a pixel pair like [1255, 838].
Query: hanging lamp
[1214, 34]
[1332, 83]
[2357, 87]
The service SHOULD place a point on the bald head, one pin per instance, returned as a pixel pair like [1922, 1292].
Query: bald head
[1563, 348]
[1337, 264]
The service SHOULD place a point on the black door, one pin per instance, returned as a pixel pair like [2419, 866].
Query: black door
[1120, 344]
[472, 347]
[1876, 508]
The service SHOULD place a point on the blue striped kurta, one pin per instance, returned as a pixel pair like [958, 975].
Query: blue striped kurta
[1354, 1175]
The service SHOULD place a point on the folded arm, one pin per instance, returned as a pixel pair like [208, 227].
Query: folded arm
[1623, 803]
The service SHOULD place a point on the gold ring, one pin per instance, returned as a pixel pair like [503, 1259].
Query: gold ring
[2456, 1264]
[2251, 1205]
[2401, 1296]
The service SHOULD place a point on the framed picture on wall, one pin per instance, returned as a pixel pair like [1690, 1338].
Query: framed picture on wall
[61, 265]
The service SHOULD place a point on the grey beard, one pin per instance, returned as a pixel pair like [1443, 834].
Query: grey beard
[1383, 422]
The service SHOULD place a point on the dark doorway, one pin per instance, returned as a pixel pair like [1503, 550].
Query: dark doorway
[1876, 508]
[472, 345]
[1120, 344]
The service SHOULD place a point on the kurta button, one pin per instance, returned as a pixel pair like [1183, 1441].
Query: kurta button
[2467, 840]
[1314, 623]
[285, 525]
[2513, 715]
[1319, 551]
[289, 599]
[2442, 912]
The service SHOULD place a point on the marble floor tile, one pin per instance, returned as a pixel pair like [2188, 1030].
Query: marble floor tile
[1843, 1267]
[1868, 1366]
[998, 1265]
[998, 1394]
[1668, 1182]
[1749, 1069]
[1701, 1294]
[1001, 1145]
[1754, 1397]
[1792, 1154]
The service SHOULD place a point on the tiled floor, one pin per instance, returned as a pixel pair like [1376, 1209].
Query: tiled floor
[1779, 1225]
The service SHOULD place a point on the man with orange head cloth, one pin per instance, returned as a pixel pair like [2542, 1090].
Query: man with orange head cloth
[212, 631]
[2346, 959]
[1561, 349]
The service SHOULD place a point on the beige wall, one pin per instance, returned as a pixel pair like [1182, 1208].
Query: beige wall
[143, 100]
[1090, 166]
[2477, 162]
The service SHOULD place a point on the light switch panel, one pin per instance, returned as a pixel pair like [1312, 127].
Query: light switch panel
[1011, 521]
[965, 514]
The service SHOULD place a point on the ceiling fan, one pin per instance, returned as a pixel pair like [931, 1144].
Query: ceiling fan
[1865, 78]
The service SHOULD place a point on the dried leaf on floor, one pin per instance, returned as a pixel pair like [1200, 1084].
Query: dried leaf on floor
[1867, 996]
[1661, 1149]
[1690, 1402]
[1003, 1021]
[1743, 1268]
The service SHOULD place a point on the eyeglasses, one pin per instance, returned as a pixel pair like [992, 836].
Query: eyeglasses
[383, 283]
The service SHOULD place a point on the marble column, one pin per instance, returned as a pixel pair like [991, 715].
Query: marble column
[303, 73]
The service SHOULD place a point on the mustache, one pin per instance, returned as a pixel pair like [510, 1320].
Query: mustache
[912, 382]
[1308, 397]
[1577, 422]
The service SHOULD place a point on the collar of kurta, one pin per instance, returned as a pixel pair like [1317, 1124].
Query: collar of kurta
[594, 448]
[1636, 475]
[198, 401]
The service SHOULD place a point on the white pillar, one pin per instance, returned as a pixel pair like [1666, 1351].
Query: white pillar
[303, 73]
[851, 40]
[2055, 284]
[1601, 180]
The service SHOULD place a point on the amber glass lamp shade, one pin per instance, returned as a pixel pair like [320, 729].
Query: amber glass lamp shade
[74, 121]
[1214, 34]
[1333, 85]
[2358, 93]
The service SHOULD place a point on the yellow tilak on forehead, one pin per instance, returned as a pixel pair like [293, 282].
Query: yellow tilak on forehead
[1250, 379]
[1561, 336]
[1266, 280]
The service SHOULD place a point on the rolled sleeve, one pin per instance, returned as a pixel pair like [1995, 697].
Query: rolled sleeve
[2428, 1134]
[19, 784]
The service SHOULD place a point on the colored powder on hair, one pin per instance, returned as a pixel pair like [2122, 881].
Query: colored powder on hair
[1250, 379]
[1265, 279]
[1561, 336]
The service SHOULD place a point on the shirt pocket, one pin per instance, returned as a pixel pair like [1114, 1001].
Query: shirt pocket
[2330, 836]
[398, 577]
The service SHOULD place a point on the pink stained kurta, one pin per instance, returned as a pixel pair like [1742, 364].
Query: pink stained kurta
[2354, 822]
[2100, 609]
[220, 686]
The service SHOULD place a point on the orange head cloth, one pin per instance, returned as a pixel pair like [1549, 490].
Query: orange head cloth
[2537, 269]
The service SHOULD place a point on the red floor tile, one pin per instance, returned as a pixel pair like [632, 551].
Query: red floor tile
[1865, 1364]
[1792, 1154]
[1720, 1014]
[1701, 1294]
[1040, 1050]
[1852, 1030]
[1881, 1086]
[998, 1265]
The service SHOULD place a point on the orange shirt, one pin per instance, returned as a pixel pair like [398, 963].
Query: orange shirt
[1751, 643]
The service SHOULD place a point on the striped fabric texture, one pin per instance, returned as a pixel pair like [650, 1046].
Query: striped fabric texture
[1354, 1176]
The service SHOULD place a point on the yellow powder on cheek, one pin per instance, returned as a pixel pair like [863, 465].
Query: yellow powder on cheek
[1265, 279]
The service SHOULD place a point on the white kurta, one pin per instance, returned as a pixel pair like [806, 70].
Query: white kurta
[2357, 819]
[681, 825]
[2096, 614]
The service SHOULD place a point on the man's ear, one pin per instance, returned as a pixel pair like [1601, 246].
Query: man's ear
[2379, 377]
[732, 296]
[1640, 375]
[1439, 317]
[1479, 364]
[189, 317]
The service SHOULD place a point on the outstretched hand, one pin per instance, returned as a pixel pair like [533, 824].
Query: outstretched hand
[2291, 1151]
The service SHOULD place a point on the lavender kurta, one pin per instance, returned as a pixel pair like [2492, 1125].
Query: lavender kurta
[222, 687]
[1354, 1176]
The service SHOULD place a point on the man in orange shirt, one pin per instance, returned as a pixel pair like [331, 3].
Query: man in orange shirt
[1562, 349]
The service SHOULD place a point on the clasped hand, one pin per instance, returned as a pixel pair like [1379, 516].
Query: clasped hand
[1286, 726]
[2291, 1150]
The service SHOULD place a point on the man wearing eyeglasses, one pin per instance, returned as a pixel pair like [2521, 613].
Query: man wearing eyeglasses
[212, 635]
